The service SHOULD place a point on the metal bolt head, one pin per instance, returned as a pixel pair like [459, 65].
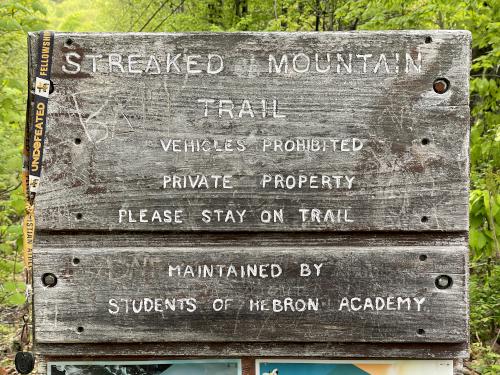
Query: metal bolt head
[49, 280]
[441, 85]
[443, 282]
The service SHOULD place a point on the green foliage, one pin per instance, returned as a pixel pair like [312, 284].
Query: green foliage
[16, 18]
[489, 363]
[484, 224]
[480, 17]
[79, 15]
[485, 301]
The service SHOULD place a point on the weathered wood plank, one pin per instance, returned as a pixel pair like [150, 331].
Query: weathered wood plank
[93, 293]
[86, 239]
[269, 349]
[104, 154]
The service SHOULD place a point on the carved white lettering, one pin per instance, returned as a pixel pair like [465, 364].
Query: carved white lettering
[389, 303]
[70, 56]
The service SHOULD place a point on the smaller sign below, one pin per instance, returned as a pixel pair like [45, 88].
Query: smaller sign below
[345, 367]
[173, 367]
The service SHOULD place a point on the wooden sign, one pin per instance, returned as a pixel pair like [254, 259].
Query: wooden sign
[234, 294]
[239, 194]
[267, 132]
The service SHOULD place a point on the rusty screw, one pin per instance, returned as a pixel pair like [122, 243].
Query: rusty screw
[441, 85]
[49, 280]
[443, 282]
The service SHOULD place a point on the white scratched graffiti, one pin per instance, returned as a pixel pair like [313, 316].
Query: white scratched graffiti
[105, 121]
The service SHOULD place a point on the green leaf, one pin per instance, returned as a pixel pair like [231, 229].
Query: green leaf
[39, 7]
[477, 239]
[9, 24]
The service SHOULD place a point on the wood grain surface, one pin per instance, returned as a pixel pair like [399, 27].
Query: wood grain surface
[308, 350]
[85, 287]
[119, 129]
[104, 150]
